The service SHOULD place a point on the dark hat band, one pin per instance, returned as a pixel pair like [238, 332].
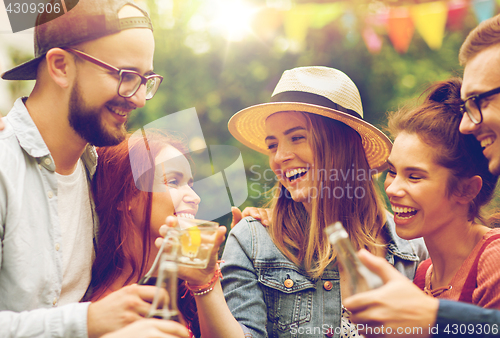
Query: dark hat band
[310, 98]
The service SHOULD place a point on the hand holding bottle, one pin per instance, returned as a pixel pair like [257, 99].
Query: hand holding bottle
[361, 279]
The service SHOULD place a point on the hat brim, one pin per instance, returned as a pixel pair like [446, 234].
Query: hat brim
[248, 127]
[25, 71]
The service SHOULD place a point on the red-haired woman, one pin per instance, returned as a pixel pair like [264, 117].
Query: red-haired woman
[131, 213]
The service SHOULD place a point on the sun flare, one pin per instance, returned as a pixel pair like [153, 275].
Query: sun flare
[234, 18]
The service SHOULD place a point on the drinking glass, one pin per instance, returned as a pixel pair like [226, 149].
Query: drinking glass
[195, 240]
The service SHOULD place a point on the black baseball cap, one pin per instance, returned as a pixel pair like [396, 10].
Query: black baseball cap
[88, 20]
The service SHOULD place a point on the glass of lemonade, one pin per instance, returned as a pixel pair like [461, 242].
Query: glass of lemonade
[195, 239]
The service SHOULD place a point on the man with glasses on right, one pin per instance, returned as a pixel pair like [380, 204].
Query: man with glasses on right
[480, 55]
[400, 303]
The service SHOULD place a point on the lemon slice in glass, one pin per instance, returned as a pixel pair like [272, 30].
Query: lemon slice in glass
[190, 242]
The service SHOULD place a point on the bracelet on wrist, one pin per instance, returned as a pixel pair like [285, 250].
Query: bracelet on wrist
[198, 290]
[212, 281]
[201, 293]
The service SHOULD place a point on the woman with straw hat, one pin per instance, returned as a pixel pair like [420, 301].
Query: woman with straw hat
[283, 280]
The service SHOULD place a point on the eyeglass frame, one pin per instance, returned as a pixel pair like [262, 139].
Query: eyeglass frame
[477, 101]
[144, 79]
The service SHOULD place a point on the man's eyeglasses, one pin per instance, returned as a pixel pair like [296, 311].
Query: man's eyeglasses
[130, 80]
[472, 105]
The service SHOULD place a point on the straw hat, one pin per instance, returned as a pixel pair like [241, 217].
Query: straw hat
[316, 90]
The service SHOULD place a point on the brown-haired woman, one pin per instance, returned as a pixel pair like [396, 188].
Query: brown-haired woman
[438, 180]
[283, 281]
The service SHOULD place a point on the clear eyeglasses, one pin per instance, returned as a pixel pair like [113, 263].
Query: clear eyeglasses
[472, 105]
[130, 81]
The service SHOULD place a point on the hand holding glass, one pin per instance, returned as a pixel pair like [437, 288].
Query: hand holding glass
[195, 241]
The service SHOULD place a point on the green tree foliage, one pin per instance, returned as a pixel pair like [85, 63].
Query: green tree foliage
[228, 76]
[202, 69]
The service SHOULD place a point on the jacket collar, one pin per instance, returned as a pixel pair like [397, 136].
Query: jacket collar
[398, 246]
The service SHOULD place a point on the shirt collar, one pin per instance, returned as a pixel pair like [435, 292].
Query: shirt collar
[32, 142]
[26, 131]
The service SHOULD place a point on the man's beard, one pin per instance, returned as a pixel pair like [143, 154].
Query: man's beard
[87, 122]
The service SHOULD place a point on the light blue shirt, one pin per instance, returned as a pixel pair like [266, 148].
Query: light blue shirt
[31, 262]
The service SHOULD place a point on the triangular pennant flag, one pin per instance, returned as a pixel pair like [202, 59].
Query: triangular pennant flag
[378, 19]
[372, 40]
[297, 21]
[457, 10]
[484, 9]
[349, 22]
[323, 14]
[266, 22]
[430, 21]
[400, 28]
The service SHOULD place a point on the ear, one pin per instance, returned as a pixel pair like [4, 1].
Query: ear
[60, 66]
[469, 189]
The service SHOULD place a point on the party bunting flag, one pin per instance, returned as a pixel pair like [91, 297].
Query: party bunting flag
[400, 28]
[484, 9]
[296, 23]
[304, 16]
[323, 14]
[266, 22]
[378, 19]
[430, 21]
[372, 40]
[457, 10]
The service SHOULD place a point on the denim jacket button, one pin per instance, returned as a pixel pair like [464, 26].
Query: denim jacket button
[330, 333]
[328, 286]
[288, 283]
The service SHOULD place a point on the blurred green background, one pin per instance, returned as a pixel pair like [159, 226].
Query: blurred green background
[211, 63]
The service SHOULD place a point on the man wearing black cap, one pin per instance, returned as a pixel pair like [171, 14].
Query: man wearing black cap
[93, 66]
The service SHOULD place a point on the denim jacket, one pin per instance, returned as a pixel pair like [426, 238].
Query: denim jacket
[271, 297]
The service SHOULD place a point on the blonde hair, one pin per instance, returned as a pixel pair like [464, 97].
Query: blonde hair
[300, 236]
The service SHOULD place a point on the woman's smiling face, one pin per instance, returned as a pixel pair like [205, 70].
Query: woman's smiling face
[290, 154]
[172, 193]
[417, 188]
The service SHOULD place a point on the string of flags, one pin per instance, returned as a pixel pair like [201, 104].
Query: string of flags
[429, 19]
